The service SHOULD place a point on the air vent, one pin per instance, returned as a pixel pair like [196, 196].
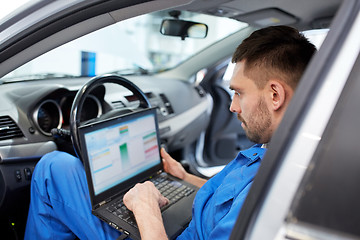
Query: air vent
[200, 91]
[167, 104]
[9, 129]
[118, 105]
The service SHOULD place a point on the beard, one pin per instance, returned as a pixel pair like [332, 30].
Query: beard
[258, 122]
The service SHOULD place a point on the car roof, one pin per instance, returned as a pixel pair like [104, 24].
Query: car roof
[304, 15]
[44, 25]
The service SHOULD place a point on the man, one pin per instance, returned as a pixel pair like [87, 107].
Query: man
[269, 64]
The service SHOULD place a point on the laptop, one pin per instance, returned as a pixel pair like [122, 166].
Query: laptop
[118, 153]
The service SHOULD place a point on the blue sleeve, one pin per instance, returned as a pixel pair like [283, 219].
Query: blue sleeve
[225, 226]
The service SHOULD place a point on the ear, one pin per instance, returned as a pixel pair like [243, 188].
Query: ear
[277, 94]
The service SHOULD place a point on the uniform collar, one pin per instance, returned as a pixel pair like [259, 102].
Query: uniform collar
[253, 154]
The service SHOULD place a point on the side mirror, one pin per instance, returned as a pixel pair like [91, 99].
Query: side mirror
[183, 29]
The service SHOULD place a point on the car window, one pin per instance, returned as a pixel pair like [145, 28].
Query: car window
[133, 46]
[316, 36]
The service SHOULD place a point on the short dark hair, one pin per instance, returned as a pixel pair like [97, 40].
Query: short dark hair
[275, 52]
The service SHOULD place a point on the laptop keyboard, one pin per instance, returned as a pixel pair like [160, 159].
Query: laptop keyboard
[172, 190]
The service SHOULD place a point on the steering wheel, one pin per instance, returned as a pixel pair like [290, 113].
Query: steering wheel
[84, 92]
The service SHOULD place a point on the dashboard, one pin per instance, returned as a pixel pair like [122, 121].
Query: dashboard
[31, 109]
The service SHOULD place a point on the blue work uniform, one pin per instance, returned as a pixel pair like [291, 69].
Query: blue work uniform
[60, 206]
[217, 204]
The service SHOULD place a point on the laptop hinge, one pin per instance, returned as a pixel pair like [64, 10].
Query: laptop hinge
[102, 203]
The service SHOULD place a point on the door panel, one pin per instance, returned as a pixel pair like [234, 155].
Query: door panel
[224, 137]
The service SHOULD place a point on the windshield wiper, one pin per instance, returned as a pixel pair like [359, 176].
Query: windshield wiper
[34, 77]
[138, 70]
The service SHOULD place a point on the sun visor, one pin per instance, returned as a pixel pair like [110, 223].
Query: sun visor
[267, 17]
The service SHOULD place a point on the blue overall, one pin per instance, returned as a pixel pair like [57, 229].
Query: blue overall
[60, 205]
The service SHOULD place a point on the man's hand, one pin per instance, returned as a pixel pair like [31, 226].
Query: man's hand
[144, 195]
[172, 166]
[144, 200]
[175, 168]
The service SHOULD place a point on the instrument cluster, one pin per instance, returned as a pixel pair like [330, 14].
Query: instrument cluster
[55, 113]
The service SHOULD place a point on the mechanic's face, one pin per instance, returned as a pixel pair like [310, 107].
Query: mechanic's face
[250, 105]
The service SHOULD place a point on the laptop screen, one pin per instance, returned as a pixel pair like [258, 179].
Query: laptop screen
[120, 149]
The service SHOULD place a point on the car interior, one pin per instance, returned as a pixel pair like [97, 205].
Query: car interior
[51, 51]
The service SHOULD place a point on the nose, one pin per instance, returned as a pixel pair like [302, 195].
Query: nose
[235, 105]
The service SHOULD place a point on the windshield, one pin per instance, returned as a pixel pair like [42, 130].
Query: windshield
[132, 46]
[11, 6]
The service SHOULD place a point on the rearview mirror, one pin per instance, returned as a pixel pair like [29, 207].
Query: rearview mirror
[183, 29]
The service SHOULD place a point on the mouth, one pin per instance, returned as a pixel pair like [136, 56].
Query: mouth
[243, 123]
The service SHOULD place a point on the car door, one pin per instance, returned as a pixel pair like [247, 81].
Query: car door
[300, 168]
[224, 137]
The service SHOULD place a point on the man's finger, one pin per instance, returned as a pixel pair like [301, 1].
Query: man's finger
[163, 201]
